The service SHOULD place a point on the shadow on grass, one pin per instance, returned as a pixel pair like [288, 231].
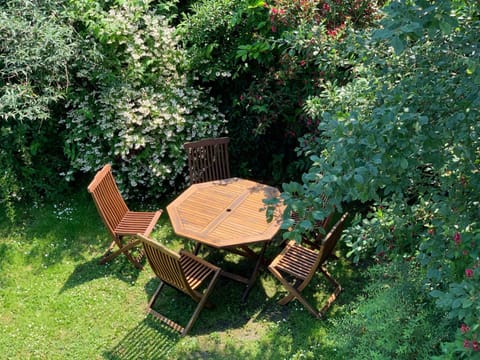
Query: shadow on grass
[150, 339]
[119, 268]
[273, 331]
[69, 229]
[3, 255]
[227, 312]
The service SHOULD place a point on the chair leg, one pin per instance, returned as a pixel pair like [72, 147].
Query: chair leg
[202, 302]
[299, 285]
[197, 248]
[334, 295]
[159, 316]
[155, 295]
[294, 292]
[298, 288]
[122, 249]
[289, 297]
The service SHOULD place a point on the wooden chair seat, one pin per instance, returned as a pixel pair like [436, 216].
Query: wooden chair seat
[194, 270]
[182, 271]
[134, 222]
[119, 220]
[297, 260]
[296, 265]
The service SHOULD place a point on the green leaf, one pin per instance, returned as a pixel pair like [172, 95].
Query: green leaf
[306, 224]
[445, 27]
[382, 34]
[256, 4]
[359, 178]
[456, 303]
[398, 45]
[436, 293]
[467, 303]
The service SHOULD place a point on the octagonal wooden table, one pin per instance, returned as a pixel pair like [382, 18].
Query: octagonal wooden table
[228, 214]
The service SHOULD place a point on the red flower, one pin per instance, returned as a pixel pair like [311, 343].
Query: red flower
[475, 345]
[457, 238]
[468, 273]
[326, 7]
[303, 63]
[464, 328]
[466, 344]
[332, 32]
[274, 29]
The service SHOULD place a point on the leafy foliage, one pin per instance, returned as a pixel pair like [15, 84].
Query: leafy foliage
[133, 107]
[37, 47]
[270, 56]
[404, 137]
[393, 318]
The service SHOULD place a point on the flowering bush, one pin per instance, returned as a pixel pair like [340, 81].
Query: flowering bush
[333, 13]
[135, 109]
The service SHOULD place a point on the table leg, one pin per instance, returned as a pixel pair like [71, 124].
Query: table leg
[197, 248]
[252, 279]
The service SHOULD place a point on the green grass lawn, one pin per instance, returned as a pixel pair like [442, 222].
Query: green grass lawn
[56, 302]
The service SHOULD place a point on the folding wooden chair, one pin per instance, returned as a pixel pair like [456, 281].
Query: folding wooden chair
[182, 271]
[208, 159]
[119, 220]
[296, 265]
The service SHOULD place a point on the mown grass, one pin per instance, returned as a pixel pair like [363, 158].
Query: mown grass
[56, 302]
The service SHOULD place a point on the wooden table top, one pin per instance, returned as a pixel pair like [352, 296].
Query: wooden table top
[225, 213]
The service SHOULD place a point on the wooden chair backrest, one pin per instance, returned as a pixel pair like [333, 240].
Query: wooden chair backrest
[165, 263]
[208, 159]
[318, 225]
[331, 239]
[107, 198]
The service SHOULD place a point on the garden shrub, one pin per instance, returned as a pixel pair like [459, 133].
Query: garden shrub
[37, 47]
[402, 138]
[394, 318]
[133, 107]
[270, 56]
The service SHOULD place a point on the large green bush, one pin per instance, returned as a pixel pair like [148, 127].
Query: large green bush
[132, 107]
[404, 137]
[37, 46]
